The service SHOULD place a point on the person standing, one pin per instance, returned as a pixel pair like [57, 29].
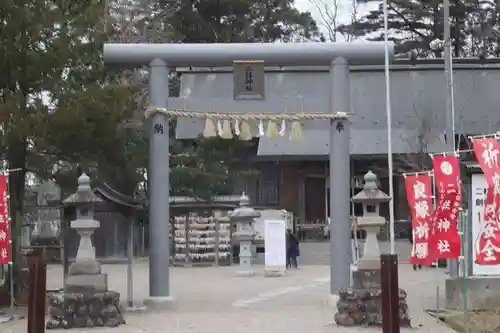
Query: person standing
[292, 250]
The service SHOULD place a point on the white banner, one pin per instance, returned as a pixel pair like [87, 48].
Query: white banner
[478, 189]
[275, 243]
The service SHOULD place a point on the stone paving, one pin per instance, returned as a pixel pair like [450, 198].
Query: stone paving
[214, 300]
[318, 253]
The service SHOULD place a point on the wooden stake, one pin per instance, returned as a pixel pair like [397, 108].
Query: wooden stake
[390, 293]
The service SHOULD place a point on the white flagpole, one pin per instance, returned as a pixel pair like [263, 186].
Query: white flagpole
[389, 129]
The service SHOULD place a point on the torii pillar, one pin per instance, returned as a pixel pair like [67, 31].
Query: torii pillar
[159, 57]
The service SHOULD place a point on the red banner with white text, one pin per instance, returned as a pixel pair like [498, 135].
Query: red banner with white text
[487, 244]
[4, 222]
[445, 238]
[419, 196]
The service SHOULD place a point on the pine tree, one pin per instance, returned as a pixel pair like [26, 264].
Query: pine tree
[415, 24]
[225, 21]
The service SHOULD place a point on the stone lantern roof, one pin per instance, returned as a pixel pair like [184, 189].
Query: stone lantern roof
[371, 192]
[244, 212]
[84, 193]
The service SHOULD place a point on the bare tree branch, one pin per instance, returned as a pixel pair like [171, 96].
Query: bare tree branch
[329, 16]
[426, 134]
[330, 13]
[137, 21]
[349, 37]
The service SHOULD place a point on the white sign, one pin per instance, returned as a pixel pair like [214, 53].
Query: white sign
[478, 188]
[270, 214]
[275, 243]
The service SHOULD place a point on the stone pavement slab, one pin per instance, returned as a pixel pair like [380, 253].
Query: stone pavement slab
[214, 300]
[318, 253]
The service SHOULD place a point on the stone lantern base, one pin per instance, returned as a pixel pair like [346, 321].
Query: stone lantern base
[75, 310]
[364, 308]
[362, 305]
[85, 301]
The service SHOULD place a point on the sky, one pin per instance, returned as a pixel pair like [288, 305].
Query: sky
[345, 9]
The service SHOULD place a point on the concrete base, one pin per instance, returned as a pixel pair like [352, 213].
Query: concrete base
[159, 303]
[331, 301]
[86, 284]
[245, 273]
[483, 292]
[274, 271]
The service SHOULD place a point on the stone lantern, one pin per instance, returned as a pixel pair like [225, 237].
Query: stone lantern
[86, 300]
[244, 217]
[371, 221]
[85, 271]
[362, 304]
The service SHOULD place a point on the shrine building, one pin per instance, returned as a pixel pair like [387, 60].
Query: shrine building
[293, 173]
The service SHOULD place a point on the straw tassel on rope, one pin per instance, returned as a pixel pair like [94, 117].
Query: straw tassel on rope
[272, 129]
[245, 131]
[282, 128]
[219, 128]
[296, 132]
[261, 128]
[237, 127]
[227, 132]
[296, 125]
[209, 131]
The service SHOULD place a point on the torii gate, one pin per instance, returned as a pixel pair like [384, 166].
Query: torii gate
[161, 57]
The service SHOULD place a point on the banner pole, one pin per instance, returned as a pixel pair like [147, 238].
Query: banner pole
[11, 262]
[434, 199]
[11, 287]
[11, 243]
[465, 275]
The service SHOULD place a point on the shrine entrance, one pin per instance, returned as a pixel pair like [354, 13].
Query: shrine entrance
[250, 103]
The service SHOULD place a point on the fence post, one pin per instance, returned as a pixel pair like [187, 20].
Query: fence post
[390, 293]
[37, 293]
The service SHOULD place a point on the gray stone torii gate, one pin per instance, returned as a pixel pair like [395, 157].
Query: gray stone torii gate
[161, 57]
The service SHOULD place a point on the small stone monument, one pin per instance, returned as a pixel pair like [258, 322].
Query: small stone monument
[361, 306]
[244, 217]
[85, 301]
